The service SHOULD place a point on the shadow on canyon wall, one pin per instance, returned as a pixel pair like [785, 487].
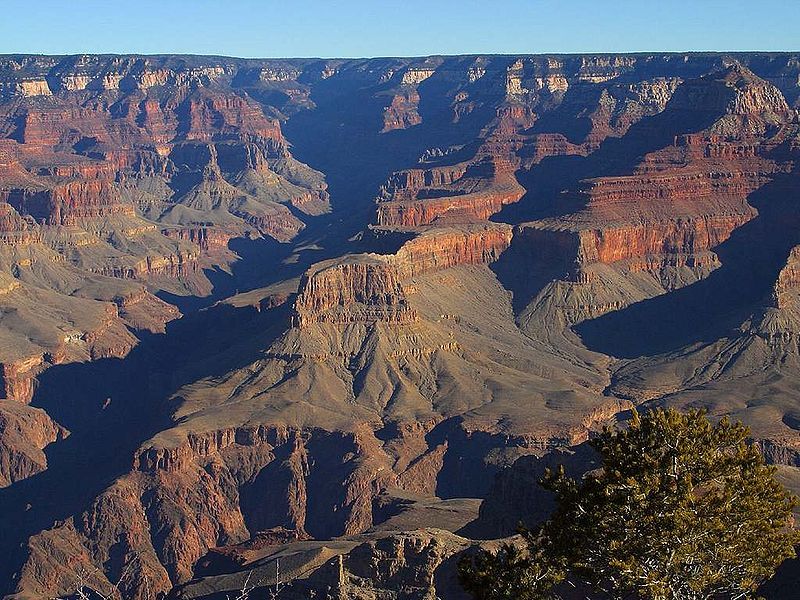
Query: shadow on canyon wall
[716, 306]
[111, 406]
[551, 184]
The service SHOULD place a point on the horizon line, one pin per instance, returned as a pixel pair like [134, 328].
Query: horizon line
[405, 56]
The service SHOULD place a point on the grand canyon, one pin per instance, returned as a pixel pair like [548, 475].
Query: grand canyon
[320, 325]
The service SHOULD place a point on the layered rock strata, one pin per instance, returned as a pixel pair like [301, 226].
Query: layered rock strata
[421, 357]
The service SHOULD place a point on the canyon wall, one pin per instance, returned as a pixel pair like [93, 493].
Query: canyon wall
[517, 250]
[132, 169]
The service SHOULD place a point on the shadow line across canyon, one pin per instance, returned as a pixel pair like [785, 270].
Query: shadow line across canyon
[112, 406]
[552, 186]
[718, 305]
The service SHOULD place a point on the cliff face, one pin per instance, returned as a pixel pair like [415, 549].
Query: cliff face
[127, 168]
[371, 287]
[658, 226]
[24, 433]
[333, 292]
[442, 248]
[504, 230]
[474, 190]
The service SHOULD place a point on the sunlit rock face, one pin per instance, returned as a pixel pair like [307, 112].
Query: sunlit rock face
[120, 177]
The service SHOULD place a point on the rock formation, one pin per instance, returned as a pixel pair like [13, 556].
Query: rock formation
[517, 251]
[131, 169]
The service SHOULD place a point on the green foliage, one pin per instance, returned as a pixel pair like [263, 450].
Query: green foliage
[680, 510]
[513, 573]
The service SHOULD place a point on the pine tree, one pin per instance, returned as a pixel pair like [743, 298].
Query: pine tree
[512, 573]
[681, 510]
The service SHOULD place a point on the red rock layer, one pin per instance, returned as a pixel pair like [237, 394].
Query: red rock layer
[402, 112]
[371, 282]
[463, 192]
[203, 115]
[211, 116]
[707, 186]
[172, 266]
[407, 185]
[69, 203]
[544, 145]
[682, 212]
[681, 237]
[370, 287]
[450, 247]
[24, 433]
[208, 239]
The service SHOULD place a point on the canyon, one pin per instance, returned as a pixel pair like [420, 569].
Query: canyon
[335, 317]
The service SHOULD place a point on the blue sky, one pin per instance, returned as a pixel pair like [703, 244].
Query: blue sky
[348, 28]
